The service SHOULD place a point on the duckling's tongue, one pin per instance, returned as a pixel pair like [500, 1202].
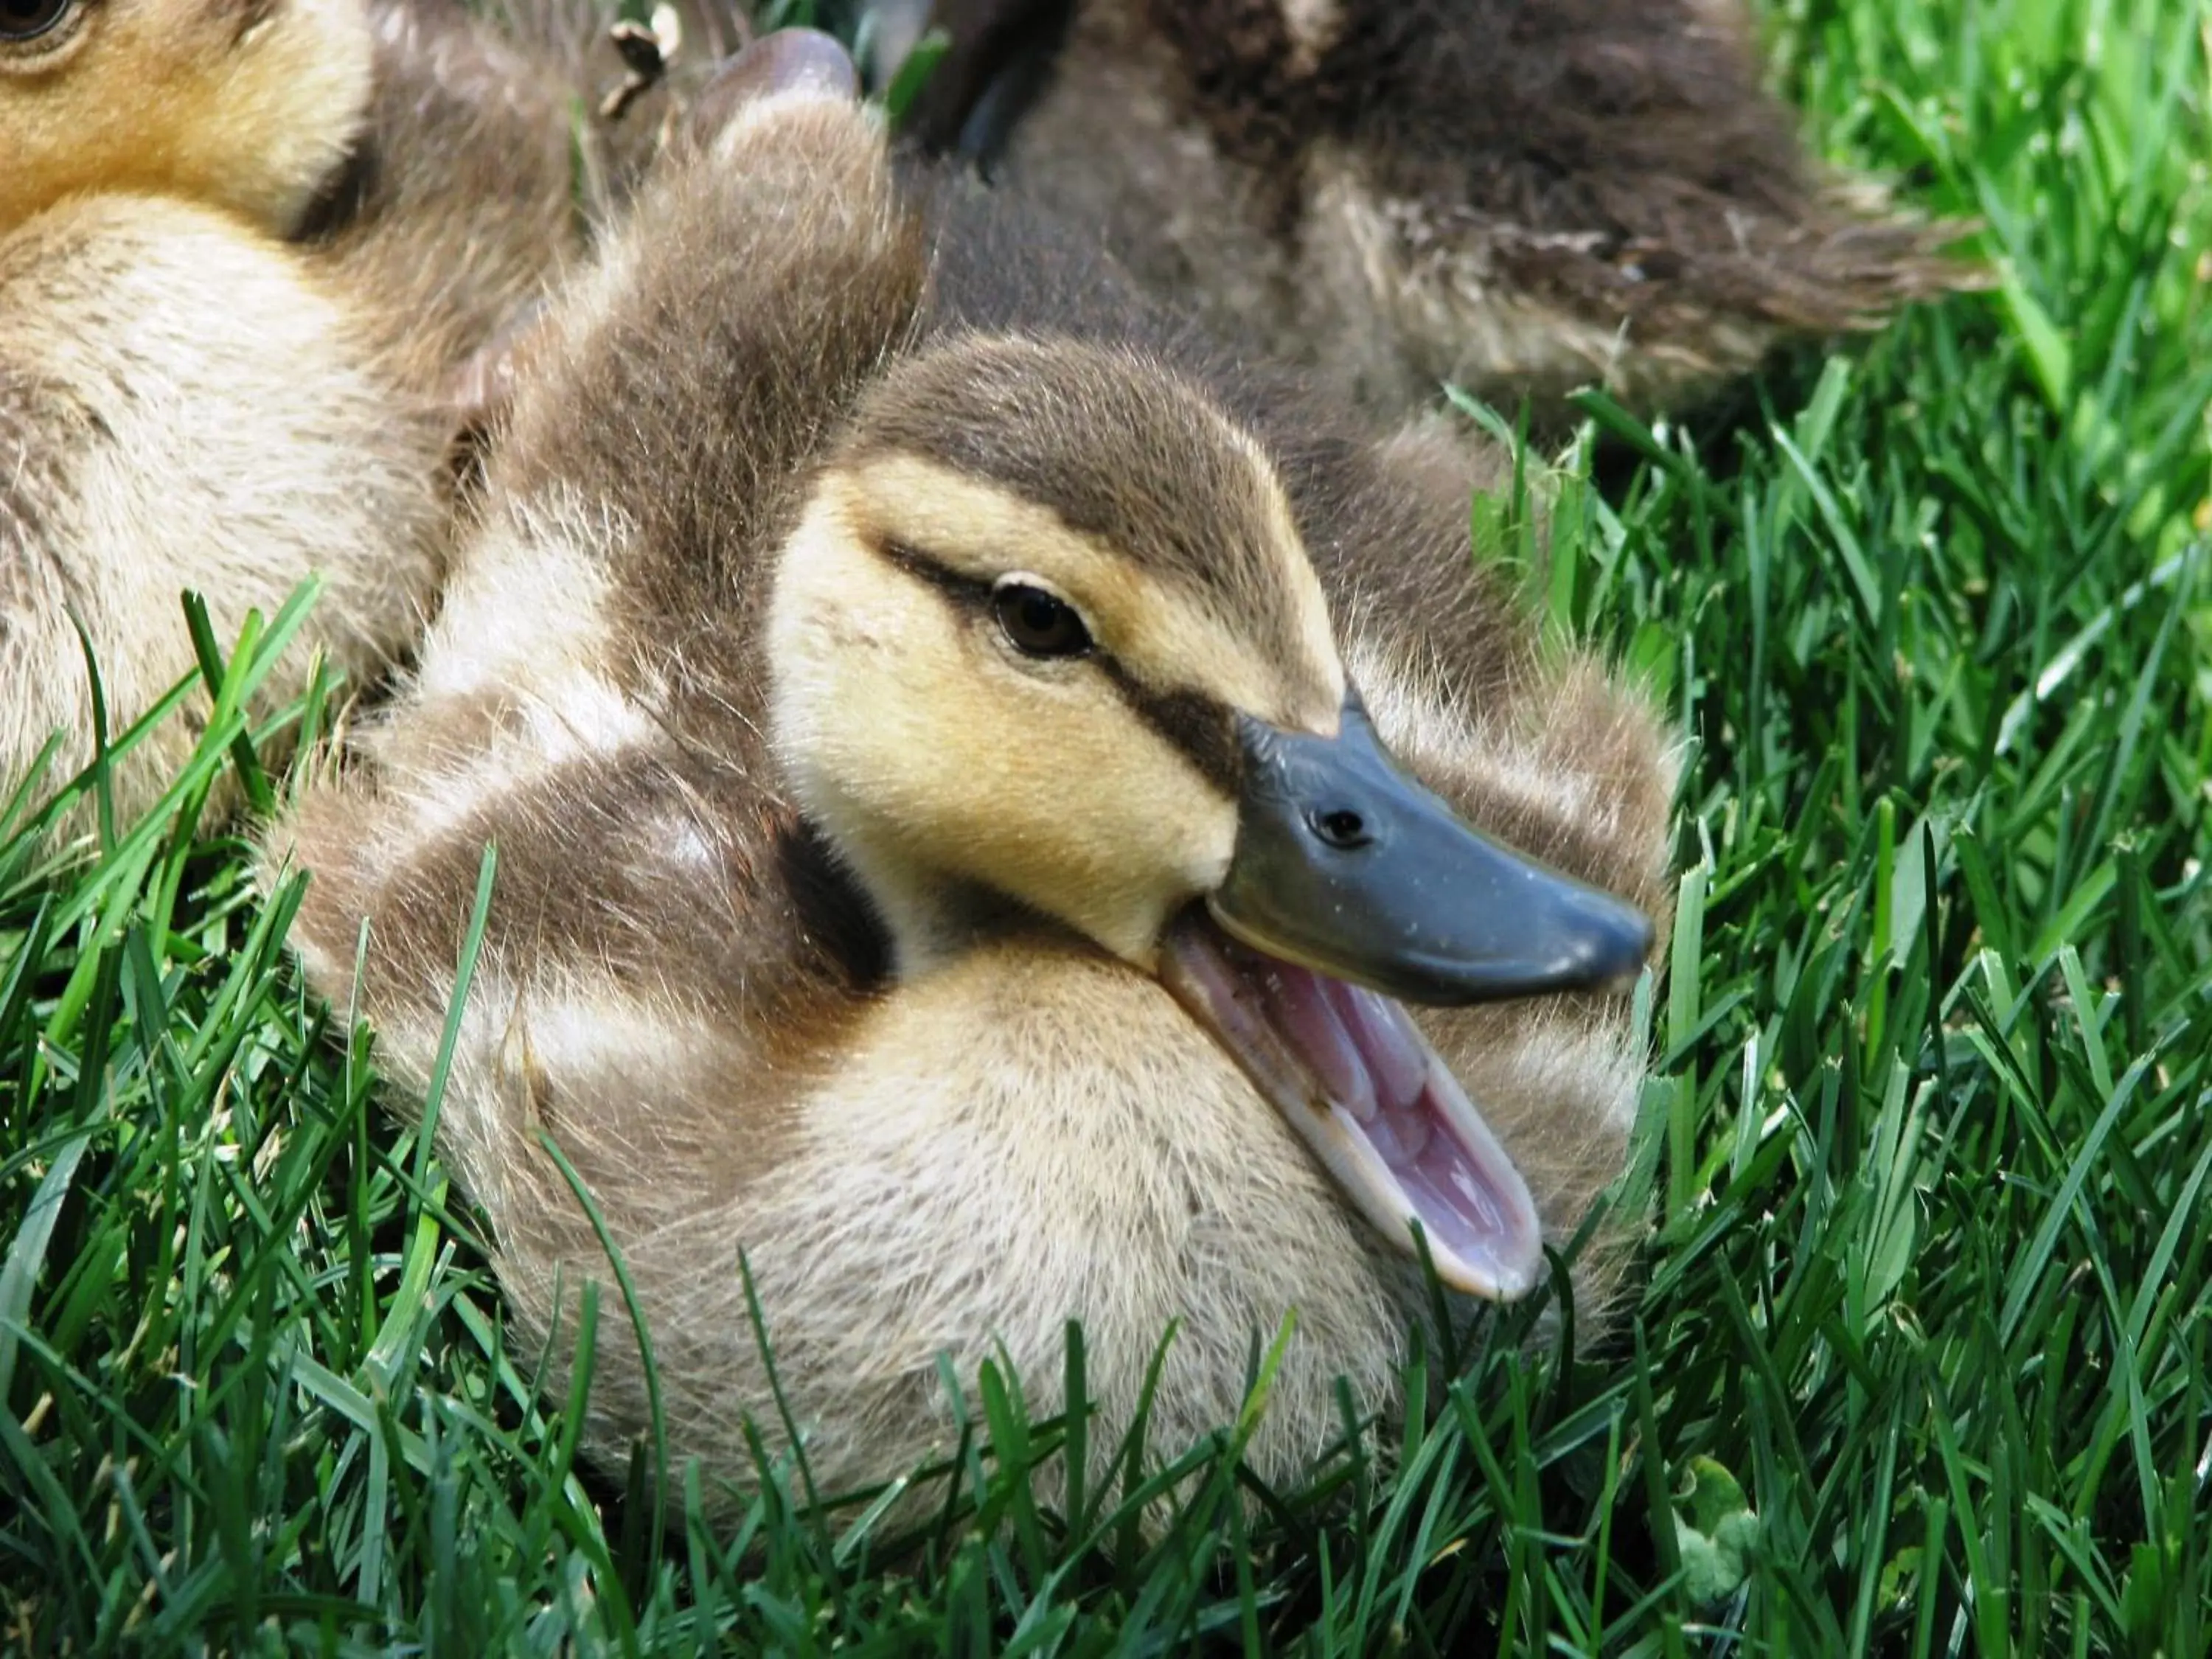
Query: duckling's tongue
[1354, 1076]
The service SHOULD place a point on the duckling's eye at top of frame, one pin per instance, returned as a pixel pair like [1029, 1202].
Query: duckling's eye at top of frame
[24, 20]
[1036, 623]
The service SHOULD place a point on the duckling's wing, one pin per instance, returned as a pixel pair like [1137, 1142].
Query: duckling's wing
[669, 957]
[590, 699]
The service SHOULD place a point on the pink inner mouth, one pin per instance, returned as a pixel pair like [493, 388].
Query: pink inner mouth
[1351, 1073]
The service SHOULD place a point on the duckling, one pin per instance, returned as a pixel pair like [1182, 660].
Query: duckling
[1522, 197]
[242, 256]
[1001, 815]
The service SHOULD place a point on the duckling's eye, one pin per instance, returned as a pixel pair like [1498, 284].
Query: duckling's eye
[26, 20]
[1341, 828]
[1039, 624]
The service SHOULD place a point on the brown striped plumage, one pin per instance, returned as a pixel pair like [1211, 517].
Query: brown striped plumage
[823, 924]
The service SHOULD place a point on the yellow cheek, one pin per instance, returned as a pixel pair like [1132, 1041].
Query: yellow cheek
[1054, 793]
[253, 126]
[924, 744]
[1065, 800]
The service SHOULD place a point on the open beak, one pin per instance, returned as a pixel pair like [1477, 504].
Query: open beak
[1351, 887]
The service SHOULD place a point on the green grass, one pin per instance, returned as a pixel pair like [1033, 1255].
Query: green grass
[1922, 1362]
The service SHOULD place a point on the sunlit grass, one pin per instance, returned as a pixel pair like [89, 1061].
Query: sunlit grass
[1922, 1359]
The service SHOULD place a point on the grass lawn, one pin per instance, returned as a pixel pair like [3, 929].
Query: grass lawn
[1923, 1358]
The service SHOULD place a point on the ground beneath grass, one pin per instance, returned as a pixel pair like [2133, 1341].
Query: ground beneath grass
[1921, 1361]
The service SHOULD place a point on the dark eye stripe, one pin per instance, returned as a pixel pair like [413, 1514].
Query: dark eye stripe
[965, 591]
[1202, 729]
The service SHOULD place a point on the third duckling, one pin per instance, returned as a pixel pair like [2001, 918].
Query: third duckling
[1519, 196]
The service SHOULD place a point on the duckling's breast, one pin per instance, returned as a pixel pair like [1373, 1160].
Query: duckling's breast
[1031, 1134]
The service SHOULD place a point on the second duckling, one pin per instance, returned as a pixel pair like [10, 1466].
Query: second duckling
[986, 797]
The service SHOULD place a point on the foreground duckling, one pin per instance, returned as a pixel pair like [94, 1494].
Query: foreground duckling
[1522, 197]
[936, 726]
[242, 253]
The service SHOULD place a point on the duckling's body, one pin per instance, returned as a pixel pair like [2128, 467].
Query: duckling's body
[225, 375]
[1519, 196]
[831, 926]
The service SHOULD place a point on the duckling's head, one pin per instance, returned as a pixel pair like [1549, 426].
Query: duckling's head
[1047, 641]
[244, 104]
